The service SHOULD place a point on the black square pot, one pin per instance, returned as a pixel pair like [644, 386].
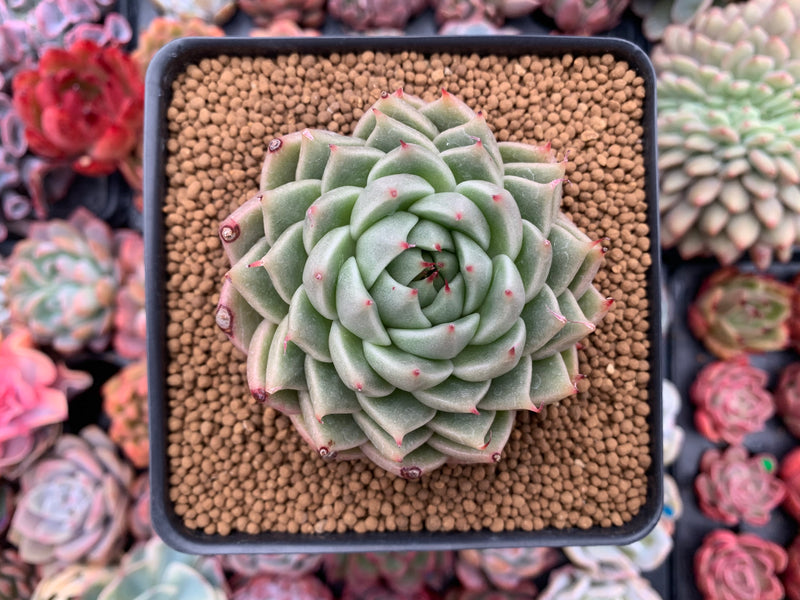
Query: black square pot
[165, 68]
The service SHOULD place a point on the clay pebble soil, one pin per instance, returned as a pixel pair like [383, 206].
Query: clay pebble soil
[235, 465]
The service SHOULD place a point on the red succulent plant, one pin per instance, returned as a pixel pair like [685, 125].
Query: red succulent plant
[33, 400]
[83, 104]
[787, 398]
[730, 566]
[790, 474]
[733, 486]
[730, 400]
[791, 576]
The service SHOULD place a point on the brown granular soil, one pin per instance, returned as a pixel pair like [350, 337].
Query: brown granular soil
[235, 465]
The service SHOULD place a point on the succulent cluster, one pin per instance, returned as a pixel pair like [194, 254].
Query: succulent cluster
[492, 11]
[728, 95]
[585, 17]
[737, 313]
[730, 565]
[216, 11]
[125, 402]
[503, 568]
[308, 13]
[733, 486]
[363, 15]
[163, 30]
[673, 433]
[577, 584]
[787, 398]
[791, 576]
[790, 475]
[403, 291]
[130, 325]
[731, 400]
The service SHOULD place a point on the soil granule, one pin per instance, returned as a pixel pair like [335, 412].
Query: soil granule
[235, 465]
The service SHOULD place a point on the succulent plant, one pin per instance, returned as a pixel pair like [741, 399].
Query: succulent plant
[525, 592]
[63, 282]
[7, 502]
[494, 11]
[673, 504]
[130, 324]
[139, 523]
[476, 26]
[284, 587]
[33, 400]
[308, 13]
[27, 27]
[73, 502]
[673, 433]
[5, 312]
[154, 570]
[787, 398]
[790, 475]
[249, 565]
[791, 576]
[409, 573]
[730, 400]
[733, 486]
[17, 578]
[283, 28]
[125, 403]
[503, 568]
[365, 15]
[96, 122]
[728, 137]
[657, 14]
[728, 565]
[570, 583]
[736, 313]
[73, 582]
[211, 11]
[28, 184]
[585, 17]
[162, 30]
[404, 307]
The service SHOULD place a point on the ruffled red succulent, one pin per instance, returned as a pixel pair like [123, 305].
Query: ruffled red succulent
[787, 398]
[791, 576]
[730, 566]
[730, 400]
[33, 398]
[790, 474]
[733, 486]
[84, 104]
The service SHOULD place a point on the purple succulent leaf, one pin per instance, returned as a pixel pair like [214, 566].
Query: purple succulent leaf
[45, 181]
[79, 11]
[9, 170]
[15, 207]
[118, 30]
[12, 129]
[86, 31]
[11, 46]
[51, 19]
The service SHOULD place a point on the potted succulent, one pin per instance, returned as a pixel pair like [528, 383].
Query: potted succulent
[407, 289]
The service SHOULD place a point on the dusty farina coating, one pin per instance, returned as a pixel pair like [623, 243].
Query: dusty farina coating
[237, 466]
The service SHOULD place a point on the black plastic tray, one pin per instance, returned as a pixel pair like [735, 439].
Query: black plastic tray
[172, 60]
[686, 357]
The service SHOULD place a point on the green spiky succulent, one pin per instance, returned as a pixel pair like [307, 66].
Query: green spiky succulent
[728, 132]
[403, 291]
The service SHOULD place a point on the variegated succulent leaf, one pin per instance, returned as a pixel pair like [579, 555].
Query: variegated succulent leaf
[403, 291]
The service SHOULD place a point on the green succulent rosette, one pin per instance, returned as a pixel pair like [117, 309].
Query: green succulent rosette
[403, 291]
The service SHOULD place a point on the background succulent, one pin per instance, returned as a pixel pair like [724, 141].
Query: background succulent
[731, 400]
[154, 570]
[284, 587]
[162, 30]
[472, 312]
[33, 400]
[130, 323]
[576, 584]
[733, 486]
[737, 313]
[62, 282]
[73, 502]
[791, 576]
[787, 398]
[656, 15]
[674, 434]
[728, 95]
[755, 561]
[308, 13]
[790, 475]
[290, 564]
[17, 578]
[125, 403]
[503, 568]
[212, 11]
[585, 17]
[494, 11]
[364, 15]
[140, 524]
[73, 582]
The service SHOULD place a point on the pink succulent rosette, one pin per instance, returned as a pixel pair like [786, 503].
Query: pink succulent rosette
[33, 400]
[787, 398]
[731, 400]
[790, 474]
[791, 576]
[268, 585]
[730, 566]
[733, 486]
[503, 568]
[130, 325]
